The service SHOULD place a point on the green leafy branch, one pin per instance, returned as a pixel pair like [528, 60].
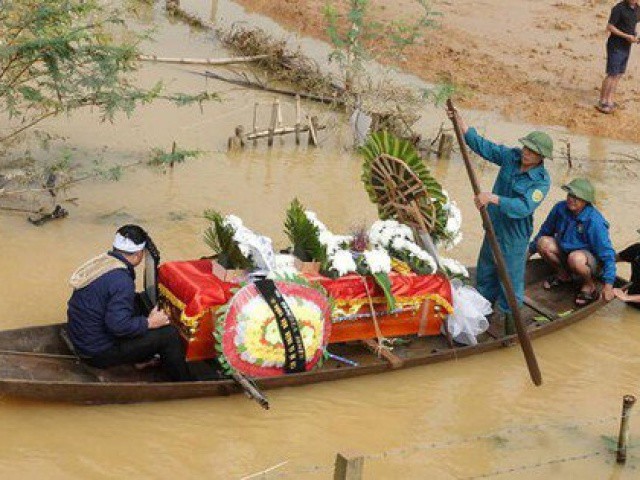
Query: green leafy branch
[303, 234]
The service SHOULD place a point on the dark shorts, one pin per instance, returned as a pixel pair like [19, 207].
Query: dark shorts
[617, 60]
[593, 263]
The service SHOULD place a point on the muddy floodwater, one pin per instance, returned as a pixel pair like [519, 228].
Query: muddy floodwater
[480, 417]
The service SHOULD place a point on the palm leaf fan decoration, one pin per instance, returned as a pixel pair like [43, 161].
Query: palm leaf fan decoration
[303, 234]
[399, 183]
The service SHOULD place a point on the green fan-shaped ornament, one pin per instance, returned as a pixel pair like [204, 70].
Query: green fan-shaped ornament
[401, 186]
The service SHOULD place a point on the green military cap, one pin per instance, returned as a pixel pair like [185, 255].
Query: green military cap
[539, 142]
[581, 188]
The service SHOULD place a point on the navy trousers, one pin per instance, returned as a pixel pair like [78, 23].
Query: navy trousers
[163, 341]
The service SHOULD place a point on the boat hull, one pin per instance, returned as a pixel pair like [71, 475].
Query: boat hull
[36, 364]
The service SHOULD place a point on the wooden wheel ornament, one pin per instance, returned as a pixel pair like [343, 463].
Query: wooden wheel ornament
[401, 194]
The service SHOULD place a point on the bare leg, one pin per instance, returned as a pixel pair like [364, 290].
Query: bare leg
[550, 252]
[604, 90]
[579, 264]
[614, 87]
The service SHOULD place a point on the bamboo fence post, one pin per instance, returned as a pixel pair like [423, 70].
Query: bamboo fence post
[623, 437]
[278, 113]
[313, 133]
[173, 151]
[445, 146]
[349, 466]
[236, 143]
[298, 119]
[272, 123]
[255, 121]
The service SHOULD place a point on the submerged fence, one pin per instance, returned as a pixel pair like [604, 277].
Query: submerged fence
[350, 466]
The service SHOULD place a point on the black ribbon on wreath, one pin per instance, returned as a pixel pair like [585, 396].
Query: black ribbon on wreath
[295, 358]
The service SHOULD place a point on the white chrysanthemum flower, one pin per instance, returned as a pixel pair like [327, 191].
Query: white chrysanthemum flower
[453, 267]
[454, 221]
[400, 244]
[325, 237]
[342, 262]
[233, 221]
[313, 218]
[378, 261]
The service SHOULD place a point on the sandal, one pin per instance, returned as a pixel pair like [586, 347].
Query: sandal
[585, 298]
[554, 281]
[605, 108]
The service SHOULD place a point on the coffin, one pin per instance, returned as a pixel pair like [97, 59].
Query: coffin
[193, 295]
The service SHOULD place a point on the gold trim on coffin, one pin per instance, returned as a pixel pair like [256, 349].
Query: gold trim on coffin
[190, 322]
[341, 307]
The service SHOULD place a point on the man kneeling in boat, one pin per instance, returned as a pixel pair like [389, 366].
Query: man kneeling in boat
[632, 294]
[103, 323]
[574, 240]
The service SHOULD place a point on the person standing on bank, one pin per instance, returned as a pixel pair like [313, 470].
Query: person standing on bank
[622, 34]
[521, 185]
[103, 324]
[574, 240]
[632, 294]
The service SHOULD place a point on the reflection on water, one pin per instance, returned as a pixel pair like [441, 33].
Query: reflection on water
[453, 420]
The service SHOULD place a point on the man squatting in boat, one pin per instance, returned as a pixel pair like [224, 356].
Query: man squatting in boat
[103, 324]
[521, 185]
[632, 256]
[574, 240]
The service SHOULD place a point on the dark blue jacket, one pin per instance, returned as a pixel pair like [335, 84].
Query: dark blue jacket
[103, 311]
[520, 192]
[586, 231]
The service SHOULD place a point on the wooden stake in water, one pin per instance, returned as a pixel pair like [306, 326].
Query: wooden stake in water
[298, 114]
[349, 466]
[273, 122]
[255, 121]
[623, 437]
[313, 131]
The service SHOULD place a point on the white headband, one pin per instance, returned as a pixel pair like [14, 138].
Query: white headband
[126, 245]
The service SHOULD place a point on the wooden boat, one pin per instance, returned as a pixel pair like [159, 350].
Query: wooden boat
[36, 363]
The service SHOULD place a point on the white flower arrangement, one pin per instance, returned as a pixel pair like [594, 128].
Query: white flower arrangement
[453, 229]
[338, 257]
[383, 232]
[342, 262]
[398, 238]
[377, 260]
[453, 268]
[257, 247]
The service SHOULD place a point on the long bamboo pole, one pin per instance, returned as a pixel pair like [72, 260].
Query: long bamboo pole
[257, 86]
[202, 61]
[523, 337]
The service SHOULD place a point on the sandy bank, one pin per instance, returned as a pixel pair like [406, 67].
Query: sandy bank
[537, 61]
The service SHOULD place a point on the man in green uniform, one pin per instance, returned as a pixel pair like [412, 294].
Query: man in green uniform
[522, 184]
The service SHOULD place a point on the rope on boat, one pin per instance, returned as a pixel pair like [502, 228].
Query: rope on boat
[383, 342]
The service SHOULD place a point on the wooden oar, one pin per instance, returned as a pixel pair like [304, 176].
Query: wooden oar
[523, 337]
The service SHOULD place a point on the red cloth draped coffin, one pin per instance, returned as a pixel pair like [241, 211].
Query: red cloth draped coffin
[193, 294]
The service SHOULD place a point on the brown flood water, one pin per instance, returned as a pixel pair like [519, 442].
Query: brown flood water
[468, 418]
